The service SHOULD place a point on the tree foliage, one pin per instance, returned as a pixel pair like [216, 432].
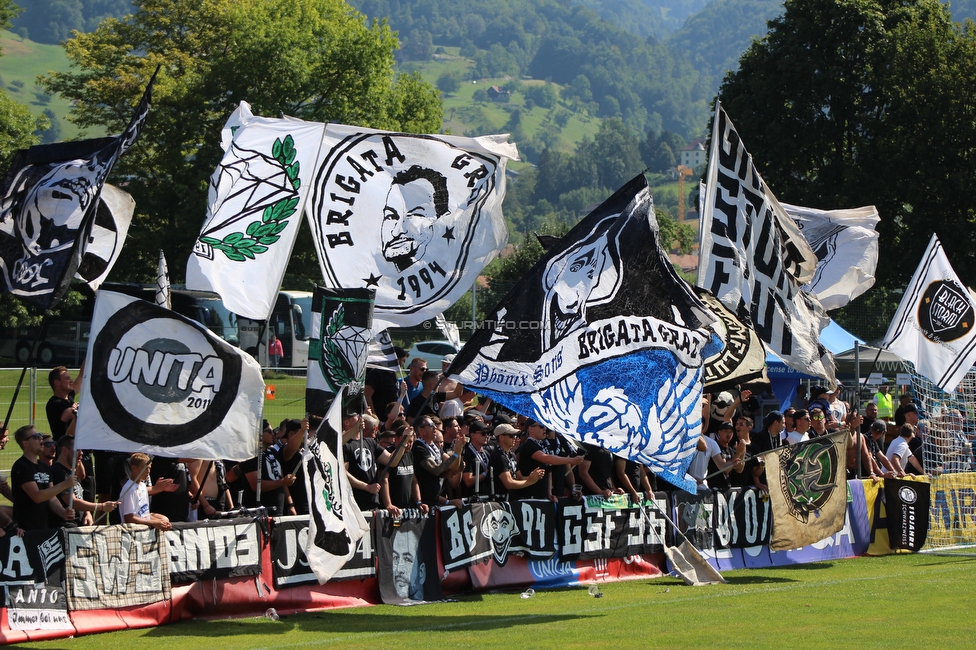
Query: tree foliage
[314, 59]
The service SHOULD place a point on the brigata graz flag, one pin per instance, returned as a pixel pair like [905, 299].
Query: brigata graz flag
[415, 217]
[338, 349]
[846, 245]
[807, 490]
[602, 341]
[49, 200]
[254, 209]
[335, 524]
[755, 260]
[160, 383]
[933, 325]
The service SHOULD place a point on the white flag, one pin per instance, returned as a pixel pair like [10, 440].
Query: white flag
[160, 383]
[846, 245]
[415, 217]
[933, 326]
[335, 524]
[382, 354]
[753, 255]
[449, 330]
[107, 235]
[254, 209]
[162, 283]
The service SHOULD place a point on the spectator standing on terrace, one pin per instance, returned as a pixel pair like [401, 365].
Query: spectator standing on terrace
[292, 443]
[801, 420]
[905, 401]
[769, 438]
[431, 463]
[34, 496]
[382, 386]
[875, 440]
[61, 471]
[62, 407]
[870, 415]
[800, 401]
[399, 489]
[532, 455]
[818, 422]
[503, 469]
[838, 408]
[414, 379]
[134, 507]
[883, 399]
[725, 459]
[474, 478]
[900, 455]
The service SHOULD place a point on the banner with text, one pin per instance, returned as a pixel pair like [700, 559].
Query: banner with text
[213, 549]
[481, 531]
[597, 527]
[33, 577]
[290, 565]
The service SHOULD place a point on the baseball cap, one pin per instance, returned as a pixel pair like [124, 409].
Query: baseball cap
[448, 359]
[726, 425]
[817, 391]
[910, 408]
[506, 430]
[879, 425]
[772, 416]
[477, 427]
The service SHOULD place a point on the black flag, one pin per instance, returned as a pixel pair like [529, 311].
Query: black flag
[907, 504]
[49, 200]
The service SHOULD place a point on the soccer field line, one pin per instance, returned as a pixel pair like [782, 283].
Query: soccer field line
[527, 618]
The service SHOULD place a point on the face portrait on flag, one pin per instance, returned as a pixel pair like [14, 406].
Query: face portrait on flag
[405, 215]
[409, 570]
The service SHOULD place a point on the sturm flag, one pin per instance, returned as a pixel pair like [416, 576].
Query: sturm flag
[49, 201]
[335, 524]
[415, 217]
[846, 245]
[754, 258]
[907, 511]
[382, 354]
[602, 341]
[160, 383]
[254, 210]
[742, 359]
[107, 235]
[807, 490]
[933, 325]
[339, 347]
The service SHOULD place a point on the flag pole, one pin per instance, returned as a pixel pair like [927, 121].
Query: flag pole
[41, 331]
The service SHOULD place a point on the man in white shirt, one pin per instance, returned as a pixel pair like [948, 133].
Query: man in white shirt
[134, 508]
[802, 421]
[899, 453]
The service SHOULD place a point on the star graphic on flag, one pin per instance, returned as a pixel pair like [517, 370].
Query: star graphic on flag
[372, 280]
[449, 234]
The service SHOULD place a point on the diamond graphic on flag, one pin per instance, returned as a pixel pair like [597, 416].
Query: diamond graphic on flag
[354, 343]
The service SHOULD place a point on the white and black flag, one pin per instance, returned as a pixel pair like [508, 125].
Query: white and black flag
[158, 382]
[382, 354]
[108, 233]
[933, 325]
[48, 203]
[415, 217]
[754, 258]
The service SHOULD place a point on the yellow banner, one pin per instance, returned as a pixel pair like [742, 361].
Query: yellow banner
[952, 519]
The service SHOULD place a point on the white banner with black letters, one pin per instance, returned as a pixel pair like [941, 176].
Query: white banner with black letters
[160, 383]
[213, 549]
[290, 564]
[415, 217]
[596, 527]
[32, 574]
[754, 256]
[492, 530]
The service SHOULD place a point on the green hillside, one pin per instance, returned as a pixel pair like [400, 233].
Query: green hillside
[20, 64]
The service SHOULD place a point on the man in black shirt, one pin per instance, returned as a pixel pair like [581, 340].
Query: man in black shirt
[362, 457]
[430, 463]
[503, 470]
[532, 455]
[35, 504]
[273, 479]
[474, 478]
[596, 472]
[381, 386]
[62, 407]
[399, 489]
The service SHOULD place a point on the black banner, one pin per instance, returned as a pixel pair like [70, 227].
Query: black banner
[406, 559]
[32, 574]
[595, 527]
[290, 566]
[907, 504]
[213, 549]
[480, 531]
[693, 517]
[741, 518]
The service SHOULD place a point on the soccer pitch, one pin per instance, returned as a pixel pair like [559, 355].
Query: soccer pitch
[895, 601]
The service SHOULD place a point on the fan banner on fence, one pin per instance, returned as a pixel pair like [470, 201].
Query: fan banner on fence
[742, 518]
[254, 209]
[754, 257]
[335, 523]
[416, 217]
[158, 382]
[33, 580]
[289, 563]
[602, 341]
[907, 503]
[205, 550]
[481, 531]
[807, 490]
[406, 558]
[846, 245]
[596, 527]
[933, 325]
[108, 233]
[382, 354]
[115, 567]
[743, 359]
[338, 350]
[50, 196]
[953, 518]
[693, 517]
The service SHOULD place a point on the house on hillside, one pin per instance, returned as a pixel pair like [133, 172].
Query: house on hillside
[499, 94]
[693, 153]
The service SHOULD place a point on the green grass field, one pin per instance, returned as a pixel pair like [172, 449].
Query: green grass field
[917, 601]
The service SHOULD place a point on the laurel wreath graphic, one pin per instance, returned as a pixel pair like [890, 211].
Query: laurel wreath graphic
[331, 354]
[239, 246]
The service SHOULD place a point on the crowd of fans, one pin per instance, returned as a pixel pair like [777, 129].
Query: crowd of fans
[423, 443]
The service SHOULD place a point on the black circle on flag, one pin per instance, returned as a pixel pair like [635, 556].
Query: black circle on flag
[945, 312]
[135, 371]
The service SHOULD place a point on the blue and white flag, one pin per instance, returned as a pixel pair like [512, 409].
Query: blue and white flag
[602, 341]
